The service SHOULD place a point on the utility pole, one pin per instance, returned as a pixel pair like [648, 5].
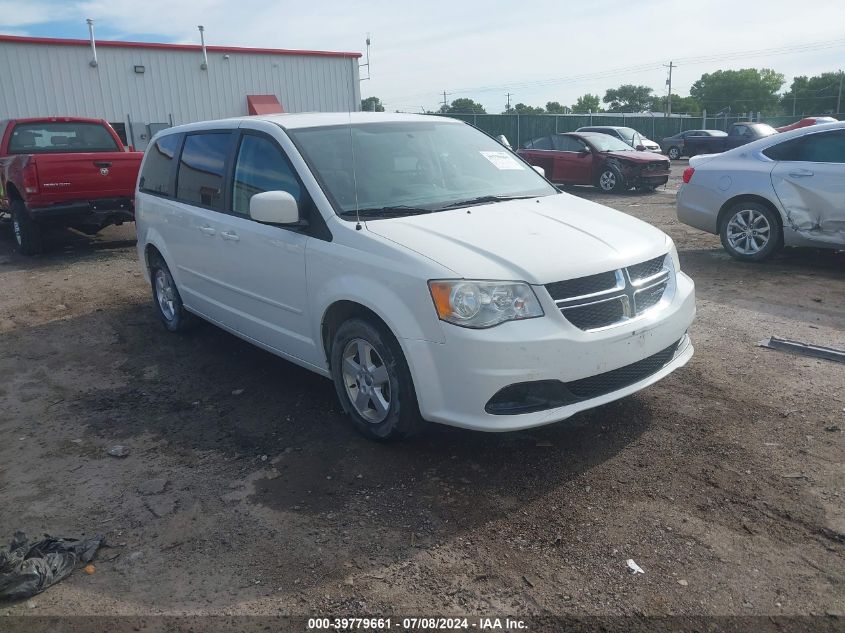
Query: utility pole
[839, 98]
[669, 82]
[508, 107]
[445, 103]
[794, 97]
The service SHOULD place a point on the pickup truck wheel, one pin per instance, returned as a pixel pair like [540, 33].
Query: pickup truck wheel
[27, 231]
[751, 232]
[674, 153]
[373, 383]
[166, 298]
[610, 180]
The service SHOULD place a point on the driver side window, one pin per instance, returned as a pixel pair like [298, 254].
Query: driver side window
[261, 167]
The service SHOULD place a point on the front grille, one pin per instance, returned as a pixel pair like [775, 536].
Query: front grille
[616, 379]
[596, 315]
[647, 269]
[582, 286]
[608, 298]
[649, 297]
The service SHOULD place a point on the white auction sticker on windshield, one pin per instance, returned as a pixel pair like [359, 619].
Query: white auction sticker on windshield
[502, 160]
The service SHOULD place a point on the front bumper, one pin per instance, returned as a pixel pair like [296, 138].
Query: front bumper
[455, 380]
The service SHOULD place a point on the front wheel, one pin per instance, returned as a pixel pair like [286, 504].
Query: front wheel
[610, 180]
[751, 232]
[372, 381]
[28, 234]
[674, 153]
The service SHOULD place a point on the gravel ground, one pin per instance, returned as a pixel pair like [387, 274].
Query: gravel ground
[724, 482]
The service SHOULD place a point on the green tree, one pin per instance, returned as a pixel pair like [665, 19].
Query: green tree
[746, 90]
[554, 107]
[521, 108]
[680, 105]
[628, 98]
[812, 95]
[371, 104]
[463, 106]
[587, 103]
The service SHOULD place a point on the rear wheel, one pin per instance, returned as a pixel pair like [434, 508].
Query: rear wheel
[373, 382]
[166, 298]
[28, 233]
[610, 180]
[751, 232]
[674, 153]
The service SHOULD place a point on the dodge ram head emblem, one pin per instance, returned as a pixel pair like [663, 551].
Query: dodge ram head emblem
[104, 171]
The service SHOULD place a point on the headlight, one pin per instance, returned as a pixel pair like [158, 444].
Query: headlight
[673, 255]
[483, 304]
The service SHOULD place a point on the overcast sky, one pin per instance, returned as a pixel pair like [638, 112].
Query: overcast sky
[540, 50]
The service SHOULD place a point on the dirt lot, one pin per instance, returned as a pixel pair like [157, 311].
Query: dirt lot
[724, 482]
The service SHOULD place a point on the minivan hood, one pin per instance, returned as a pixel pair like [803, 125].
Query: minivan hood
[538, 240]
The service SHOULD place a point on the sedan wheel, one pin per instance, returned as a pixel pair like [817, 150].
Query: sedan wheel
[750, 232]
[674, 153]
[610, 180]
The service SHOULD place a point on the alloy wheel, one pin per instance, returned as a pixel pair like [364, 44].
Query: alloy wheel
[748, 231]
[16, 227]
[674, 153]
[607, 180]
[367, 380]
[165, 294]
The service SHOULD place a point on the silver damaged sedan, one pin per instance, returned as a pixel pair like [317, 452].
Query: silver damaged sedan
[783, 190]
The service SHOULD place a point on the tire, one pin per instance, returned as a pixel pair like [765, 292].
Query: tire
[166, 298]
[674, 153]
[377, 393]
[610, 180]
[28, 233]
[751, 232]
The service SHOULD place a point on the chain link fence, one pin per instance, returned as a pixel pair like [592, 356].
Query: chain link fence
[521, 128]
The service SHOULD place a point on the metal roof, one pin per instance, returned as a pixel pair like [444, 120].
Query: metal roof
[173, 47]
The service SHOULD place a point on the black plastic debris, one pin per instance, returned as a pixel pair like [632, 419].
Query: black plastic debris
[28, 568]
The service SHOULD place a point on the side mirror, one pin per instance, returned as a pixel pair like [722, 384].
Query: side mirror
[640, 148]
[539, 170]
[274, 207]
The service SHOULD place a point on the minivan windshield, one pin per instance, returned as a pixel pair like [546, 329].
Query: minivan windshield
[389, 169]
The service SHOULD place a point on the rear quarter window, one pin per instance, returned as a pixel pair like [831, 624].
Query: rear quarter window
[60, 138]
[157, 175]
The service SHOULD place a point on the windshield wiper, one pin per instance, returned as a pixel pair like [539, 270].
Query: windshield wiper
[386, 211]
[484, 200]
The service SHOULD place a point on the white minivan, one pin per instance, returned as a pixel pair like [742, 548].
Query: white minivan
[426, 269]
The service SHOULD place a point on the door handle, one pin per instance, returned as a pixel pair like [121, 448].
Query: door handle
[801, 173]
[228, 235]
[208, 230]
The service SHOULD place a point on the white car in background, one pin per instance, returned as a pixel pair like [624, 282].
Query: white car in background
[786, 189]
[427, 270]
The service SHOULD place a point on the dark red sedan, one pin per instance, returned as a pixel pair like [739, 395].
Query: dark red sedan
[591, 158]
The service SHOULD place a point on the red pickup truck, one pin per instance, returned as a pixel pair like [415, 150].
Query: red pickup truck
[70, 172]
